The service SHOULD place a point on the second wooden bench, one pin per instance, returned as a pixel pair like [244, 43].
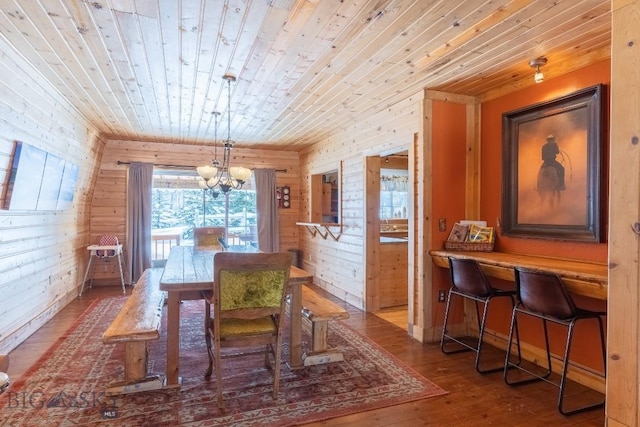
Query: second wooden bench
[317, 312]
[138, 322]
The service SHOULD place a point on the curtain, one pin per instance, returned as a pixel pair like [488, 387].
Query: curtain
[267, 209]
[140, 184]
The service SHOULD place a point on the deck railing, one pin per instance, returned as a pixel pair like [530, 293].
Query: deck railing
[161, 245]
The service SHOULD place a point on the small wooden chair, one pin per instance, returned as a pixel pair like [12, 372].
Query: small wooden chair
[249, 302]
[209, 237]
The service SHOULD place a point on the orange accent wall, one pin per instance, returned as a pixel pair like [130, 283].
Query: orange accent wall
[585, 344]
[449, 164]
[491, 164]
[448, 201]
[449, 172]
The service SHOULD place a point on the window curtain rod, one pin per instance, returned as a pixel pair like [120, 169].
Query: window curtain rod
[178, 166]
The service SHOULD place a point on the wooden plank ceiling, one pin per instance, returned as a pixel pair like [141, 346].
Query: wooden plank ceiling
[146, 69]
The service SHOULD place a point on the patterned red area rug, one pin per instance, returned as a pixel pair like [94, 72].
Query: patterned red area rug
[66, 387]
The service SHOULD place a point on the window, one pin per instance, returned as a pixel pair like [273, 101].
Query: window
[325, 197]
[394, 199]
[179, 205]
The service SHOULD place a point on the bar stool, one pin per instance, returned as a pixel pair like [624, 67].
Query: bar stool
[545, 296]
[469, 281]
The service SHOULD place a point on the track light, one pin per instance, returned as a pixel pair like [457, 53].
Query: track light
[537, 63]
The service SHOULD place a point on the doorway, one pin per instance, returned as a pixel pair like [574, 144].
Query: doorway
[389, 192]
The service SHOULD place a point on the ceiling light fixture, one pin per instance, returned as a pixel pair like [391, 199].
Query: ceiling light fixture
[221, 176]
[537, 63]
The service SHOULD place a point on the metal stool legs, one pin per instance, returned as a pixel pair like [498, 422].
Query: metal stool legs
[447, 338]
[570, 324]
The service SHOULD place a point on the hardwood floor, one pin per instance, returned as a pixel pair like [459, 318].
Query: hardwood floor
[473, 399]
[397, 316]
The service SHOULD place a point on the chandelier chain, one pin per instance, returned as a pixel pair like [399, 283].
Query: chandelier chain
[218, 176]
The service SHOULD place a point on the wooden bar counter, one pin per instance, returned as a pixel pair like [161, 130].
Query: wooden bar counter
[582, 278]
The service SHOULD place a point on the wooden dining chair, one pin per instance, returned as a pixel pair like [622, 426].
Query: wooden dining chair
[248, 300]
[209, 237]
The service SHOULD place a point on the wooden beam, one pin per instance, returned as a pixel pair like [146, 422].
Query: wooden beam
[623, 376]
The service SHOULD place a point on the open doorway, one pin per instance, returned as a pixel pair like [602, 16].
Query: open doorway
[389, 192]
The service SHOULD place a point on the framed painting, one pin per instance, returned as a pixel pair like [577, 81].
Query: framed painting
[551, 168]
[25, 177]
[38, 180]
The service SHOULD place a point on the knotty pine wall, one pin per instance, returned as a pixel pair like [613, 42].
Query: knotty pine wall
[340, 266]
[108, 206]
[42, 253]
[394, 276]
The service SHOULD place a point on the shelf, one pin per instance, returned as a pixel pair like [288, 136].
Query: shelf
[583, 278]
[323, 229]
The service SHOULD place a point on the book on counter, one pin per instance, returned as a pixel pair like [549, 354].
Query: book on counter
[480, 234]
[458, 233]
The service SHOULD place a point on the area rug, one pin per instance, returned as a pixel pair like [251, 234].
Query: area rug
[66, 387]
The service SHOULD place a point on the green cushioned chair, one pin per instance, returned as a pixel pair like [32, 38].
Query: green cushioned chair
[248, 301]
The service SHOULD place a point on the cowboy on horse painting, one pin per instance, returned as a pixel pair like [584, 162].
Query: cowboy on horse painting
[549, 152]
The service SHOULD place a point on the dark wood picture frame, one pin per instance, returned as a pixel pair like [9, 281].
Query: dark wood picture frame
[567, 133]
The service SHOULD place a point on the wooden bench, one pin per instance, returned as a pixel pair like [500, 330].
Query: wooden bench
[138, 322]
[317, 312]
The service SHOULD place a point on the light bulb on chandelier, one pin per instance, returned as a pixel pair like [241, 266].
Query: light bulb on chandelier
[221, 176]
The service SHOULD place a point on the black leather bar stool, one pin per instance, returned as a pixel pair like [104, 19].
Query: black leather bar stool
[545, 296]
[469, 281]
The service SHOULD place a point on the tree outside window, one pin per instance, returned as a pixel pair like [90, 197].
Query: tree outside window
[179, 205]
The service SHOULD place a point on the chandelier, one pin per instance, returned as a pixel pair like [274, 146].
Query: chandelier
[220, 176]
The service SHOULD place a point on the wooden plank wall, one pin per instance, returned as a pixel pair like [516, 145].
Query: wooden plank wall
[381, 132]
[623, 335]
[393, 275]
[41, 252]
[108, 207]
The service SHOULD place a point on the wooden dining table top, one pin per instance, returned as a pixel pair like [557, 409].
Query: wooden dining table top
[190, 268]
[188, 272]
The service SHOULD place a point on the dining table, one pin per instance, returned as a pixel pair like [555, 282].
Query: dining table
[188, 272]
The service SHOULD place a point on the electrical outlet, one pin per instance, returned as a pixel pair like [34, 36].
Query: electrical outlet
[442, 224]
[441, 295]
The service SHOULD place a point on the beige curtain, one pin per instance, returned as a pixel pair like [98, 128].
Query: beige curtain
[140, 184]
[267, 209]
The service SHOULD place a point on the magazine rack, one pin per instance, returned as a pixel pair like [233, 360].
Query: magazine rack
[459, 240]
